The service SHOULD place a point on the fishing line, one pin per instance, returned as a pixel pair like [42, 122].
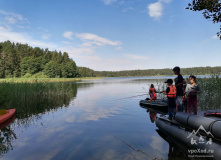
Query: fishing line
[137, 150]
[130, 97]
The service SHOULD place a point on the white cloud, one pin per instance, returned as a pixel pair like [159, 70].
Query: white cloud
[68, 35]
[45, 36]
[13, 18]
[124, 62]
[23, 38]
[215, 37]
[166, 1]
[4, 29]
[108, 2]
[155, 10]
[121, 2]
[92, 39]
[118, 48]
[85, 53]
[136, 57]
[127, 9]
[86, 56]
[75, 52]
[65, 42]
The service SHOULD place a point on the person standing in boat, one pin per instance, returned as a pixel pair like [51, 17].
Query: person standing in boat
[192, 90]
[171, 98]
[179, 81]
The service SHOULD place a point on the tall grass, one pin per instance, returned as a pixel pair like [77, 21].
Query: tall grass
[34, 98]
[210, 97]
[31, 100]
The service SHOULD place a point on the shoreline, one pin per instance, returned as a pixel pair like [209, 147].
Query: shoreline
[36, 80]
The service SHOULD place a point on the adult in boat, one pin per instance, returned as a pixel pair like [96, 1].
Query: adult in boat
[179, 81]
[171, 98]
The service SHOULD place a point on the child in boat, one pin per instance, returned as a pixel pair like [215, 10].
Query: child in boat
[192, 90]
[152, 89]
[171, 98]
[153, 95]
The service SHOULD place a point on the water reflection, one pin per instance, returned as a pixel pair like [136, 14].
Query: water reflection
[32, 101]
[152, 115]
[7, 135]
[81, 120]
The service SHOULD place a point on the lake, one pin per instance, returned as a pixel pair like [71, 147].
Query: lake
[93, 119]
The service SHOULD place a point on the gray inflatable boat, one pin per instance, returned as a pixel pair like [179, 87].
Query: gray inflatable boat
[159, 104]
[194, 131]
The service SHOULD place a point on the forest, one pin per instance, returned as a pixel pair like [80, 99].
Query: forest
[21, 60]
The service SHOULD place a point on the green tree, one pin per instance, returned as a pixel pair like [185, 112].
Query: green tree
[69, 70]
[65, 57]
[31, 65]
[52, 69]
[211, 10]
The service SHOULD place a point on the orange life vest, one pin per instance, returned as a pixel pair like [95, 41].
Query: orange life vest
[153, 89]
[154, 96]
[172, 93]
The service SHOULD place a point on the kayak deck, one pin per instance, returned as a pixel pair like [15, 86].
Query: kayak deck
[6, 116]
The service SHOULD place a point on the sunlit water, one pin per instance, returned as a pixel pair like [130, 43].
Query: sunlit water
[103, 121]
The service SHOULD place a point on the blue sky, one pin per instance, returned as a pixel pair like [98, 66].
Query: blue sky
[114, 34]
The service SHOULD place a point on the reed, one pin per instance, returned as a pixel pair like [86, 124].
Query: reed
[35, 98]
[210, 93]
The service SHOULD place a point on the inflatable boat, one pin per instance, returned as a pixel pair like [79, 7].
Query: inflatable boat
[159, 104]
[176, 148]
[200, 133]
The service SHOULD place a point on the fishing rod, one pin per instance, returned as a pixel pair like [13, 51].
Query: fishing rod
[131, 97]
[137, 150]
[138, 95]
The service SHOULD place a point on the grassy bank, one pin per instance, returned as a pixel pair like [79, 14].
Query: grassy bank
[32, 80]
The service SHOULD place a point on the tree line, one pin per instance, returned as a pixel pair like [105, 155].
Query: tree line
[160, 72]
[21, 60]
[87, 72]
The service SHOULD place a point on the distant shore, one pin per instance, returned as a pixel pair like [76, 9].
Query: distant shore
[33, 80]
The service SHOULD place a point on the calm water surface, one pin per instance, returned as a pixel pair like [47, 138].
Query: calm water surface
[103, 120]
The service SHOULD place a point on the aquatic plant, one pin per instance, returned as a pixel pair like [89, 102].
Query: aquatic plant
[210, 93]
[34, 98]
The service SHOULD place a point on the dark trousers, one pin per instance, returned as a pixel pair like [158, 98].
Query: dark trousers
[192, 104]
[171, 106]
